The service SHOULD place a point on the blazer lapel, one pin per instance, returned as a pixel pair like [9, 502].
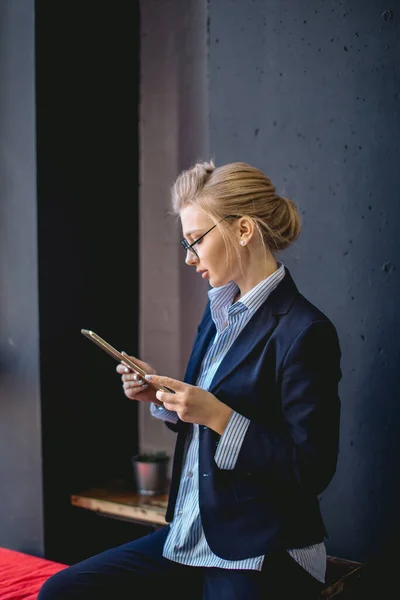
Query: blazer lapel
[260, 327]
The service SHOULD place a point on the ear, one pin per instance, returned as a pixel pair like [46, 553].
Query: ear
[245, 229]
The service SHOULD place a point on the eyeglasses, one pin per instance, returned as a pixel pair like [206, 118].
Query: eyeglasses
[188, 246]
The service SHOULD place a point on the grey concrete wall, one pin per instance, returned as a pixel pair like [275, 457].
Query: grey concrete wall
[309, 92]
[21, 513]
[173, 134]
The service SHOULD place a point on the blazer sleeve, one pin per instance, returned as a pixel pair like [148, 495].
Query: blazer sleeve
[304, 451]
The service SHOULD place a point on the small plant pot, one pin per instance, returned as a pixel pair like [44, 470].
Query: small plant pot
[151, 473]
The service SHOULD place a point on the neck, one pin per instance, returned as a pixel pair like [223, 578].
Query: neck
[253, 277]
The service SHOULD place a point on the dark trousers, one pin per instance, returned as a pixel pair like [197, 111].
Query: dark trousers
[137, 570]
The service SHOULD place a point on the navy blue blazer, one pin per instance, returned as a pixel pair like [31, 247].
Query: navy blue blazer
[282, 372]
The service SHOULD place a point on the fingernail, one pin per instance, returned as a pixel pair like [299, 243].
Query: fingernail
[126, 370]
[145, 385]
[148, 377]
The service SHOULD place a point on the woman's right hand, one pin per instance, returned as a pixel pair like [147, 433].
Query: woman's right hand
[135, 387]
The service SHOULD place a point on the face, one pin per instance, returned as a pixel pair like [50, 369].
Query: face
[211, 260]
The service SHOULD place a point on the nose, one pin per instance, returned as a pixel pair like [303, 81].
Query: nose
[191, 258]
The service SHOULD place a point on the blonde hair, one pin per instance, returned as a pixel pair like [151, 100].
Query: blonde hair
[240, 190]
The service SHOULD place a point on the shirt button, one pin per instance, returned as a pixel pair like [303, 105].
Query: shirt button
[180, 512]
[190, 474]
[213, 359]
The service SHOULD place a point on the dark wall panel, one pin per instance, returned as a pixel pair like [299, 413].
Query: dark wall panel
[87, 146]
[310, 93]
[21, 518]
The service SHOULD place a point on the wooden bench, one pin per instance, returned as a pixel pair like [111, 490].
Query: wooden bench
[342, 577]
[116, 500]
[119, 502]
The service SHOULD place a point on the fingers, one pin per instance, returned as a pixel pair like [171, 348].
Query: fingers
[133, 386]
[138, 362]
[132, 382]
[166, 398]
[121, 368]
[172, 384]
[125, 367]
[133, 379]
[130, 378]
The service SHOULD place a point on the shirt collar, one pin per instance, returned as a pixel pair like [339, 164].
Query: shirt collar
[221, 298]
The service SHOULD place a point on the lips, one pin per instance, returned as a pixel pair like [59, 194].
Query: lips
[204, 273]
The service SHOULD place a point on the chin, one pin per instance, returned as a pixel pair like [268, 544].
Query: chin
[215, 282]
[212, 282]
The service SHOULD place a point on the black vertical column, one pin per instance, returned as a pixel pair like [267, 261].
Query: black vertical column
[87, 78]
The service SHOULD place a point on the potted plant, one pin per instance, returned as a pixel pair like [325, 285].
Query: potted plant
[151, 472]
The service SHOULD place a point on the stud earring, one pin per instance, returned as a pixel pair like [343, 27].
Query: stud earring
[242, 243]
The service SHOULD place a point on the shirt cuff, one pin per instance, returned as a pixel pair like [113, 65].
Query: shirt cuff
[231, 441]
[159, 412]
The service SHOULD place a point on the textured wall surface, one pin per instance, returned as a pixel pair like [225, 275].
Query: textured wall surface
[21, 513]
[310, 93]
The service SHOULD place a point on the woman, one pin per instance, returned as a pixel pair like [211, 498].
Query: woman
[257, 416]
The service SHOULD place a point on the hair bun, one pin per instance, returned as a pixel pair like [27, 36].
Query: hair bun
[202, 169]
[200, 173]
[209, 166]
[291, 223]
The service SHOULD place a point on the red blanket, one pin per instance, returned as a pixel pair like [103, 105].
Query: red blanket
[22, 575]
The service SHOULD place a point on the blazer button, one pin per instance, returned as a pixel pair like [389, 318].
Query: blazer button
[205, 427]
[205, 474]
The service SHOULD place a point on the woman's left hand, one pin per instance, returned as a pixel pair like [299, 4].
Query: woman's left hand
[192, 404]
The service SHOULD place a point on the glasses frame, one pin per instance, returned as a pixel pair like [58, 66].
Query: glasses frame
[189, 247]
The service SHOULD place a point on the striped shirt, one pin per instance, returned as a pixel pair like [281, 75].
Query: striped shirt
[186, 542]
